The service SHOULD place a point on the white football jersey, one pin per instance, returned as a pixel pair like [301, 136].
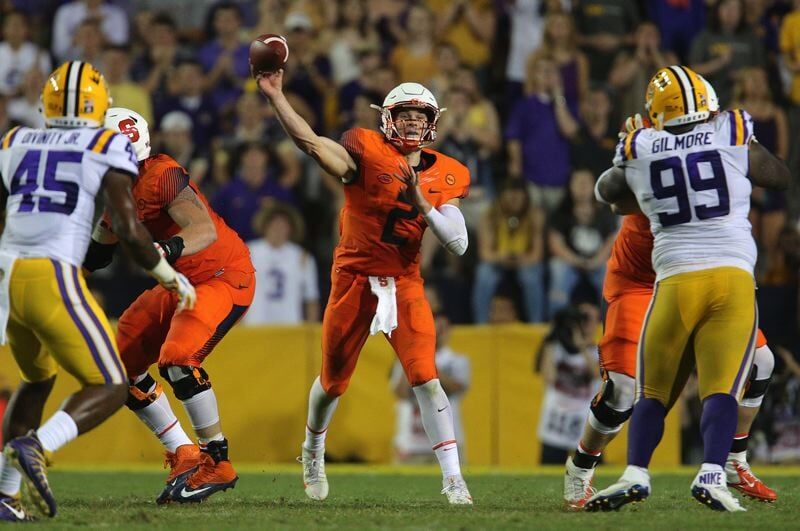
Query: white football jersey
[694, 189]
[52, 177]
[286, 279]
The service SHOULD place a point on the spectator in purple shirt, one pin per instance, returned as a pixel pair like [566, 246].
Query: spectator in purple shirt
[186, 87]
[225, 60]
[539, 131]
[254, 187]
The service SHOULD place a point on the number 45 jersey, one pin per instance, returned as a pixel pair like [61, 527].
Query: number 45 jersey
[694, 189]
[380, 233]
[52, 177]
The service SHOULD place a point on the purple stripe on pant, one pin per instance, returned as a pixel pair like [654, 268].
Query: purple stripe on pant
[96, 321]
[747, 360]
[85, 333]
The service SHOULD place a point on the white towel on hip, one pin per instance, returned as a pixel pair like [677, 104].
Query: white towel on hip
[385, 319]
[6, 264]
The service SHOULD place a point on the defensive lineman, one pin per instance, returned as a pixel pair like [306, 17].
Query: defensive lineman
[689, 176]
[50, 179]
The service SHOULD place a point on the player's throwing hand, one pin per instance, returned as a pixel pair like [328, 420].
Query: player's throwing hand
[271, 83]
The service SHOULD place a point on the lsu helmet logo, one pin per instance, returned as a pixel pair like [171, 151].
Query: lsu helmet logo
[676, 95]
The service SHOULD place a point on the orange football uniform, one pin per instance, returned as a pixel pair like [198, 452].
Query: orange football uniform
[380, 235]
[222, 273]
[627, 291]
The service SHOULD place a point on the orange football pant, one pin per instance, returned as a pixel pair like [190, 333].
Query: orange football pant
[622, 328]
[150, 331]
[345, 329]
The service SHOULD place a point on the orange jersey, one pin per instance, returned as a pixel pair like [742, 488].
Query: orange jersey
[629, 266]
[380, 233]
[160, 181]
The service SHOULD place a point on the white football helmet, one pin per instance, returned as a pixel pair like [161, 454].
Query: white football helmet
[409, 96]
[713, 100]
[132, 124]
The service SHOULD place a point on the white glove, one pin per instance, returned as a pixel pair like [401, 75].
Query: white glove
[175, 282]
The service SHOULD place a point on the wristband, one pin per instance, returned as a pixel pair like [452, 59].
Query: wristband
[172, 248]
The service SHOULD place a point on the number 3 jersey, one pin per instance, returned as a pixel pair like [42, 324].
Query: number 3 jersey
[694, 189]
[380, 232]
[52, 177]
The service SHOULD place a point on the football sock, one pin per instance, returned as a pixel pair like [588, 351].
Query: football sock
[57, 431]
[645, 431]
[718, 425]
[158, 416]
[740, 443]
[320, 410]
[10, 478]
[584, 458]
[202, 409]
[437, 419]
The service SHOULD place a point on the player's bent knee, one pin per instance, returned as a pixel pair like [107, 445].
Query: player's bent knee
[186, 381]
[613, 406]
[432, 387]
[760, 377]
[335, 388]
[143, 393]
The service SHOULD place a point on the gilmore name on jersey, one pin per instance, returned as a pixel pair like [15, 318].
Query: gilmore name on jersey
[380, 232]
[693, 187]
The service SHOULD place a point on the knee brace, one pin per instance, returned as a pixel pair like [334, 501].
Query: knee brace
[613, 405]
[143, 393]
[760, 376]
[186, 381]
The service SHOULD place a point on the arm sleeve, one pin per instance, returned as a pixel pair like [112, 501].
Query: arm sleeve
[171, 181]
[353, 142]
[448, 225]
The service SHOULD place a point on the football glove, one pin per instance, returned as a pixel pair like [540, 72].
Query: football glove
[170, 249]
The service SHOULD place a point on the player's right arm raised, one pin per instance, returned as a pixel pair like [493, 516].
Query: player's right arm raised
[137, 241]
[329, 154]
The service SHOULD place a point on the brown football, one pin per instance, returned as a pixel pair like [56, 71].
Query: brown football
[268, 53]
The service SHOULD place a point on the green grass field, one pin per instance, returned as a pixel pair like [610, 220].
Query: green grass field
[386, 498]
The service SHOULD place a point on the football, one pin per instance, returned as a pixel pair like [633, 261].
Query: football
[268, 53]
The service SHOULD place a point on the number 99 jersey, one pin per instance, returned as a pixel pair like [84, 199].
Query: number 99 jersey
[694, 189]
[52, 177]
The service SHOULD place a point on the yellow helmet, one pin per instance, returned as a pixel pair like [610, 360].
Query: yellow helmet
[75, 95]
[676, 96]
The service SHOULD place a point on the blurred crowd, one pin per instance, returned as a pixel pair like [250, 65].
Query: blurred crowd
[536, 91]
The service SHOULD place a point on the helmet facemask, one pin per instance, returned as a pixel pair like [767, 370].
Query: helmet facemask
[409, 133]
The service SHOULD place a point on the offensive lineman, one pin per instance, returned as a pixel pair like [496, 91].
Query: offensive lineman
[689, 176]
[193, 238]
[50, 179]
[394, 190]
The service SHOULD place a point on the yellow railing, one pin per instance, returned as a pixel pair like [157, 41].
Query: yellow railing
[262, 375]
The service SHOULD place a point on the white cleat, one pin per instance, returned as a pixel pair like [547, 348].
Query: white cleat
[577, 486]
[632, 487]
[455, 488]
[314, 479]
[710, 488]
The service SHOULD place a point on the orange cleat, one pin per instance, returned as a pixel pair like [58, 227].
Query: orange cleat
[741, 478]
[183, 463]
[213, 475]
